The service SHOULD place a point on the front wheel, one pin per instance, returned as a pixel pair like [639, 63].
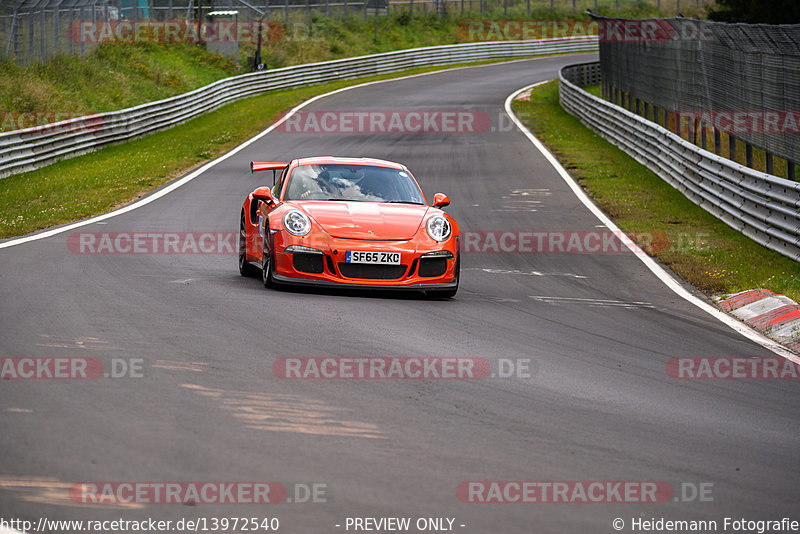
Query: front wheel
[267, 265]
[447, 293]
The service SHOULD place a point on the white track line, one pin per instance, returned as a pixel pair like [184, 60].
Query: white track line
[191, 176]
[656, 269]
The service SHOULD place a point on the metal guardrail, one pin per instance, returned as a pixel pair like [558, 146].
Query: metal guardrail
[28, 149]
[707, 71]
[761, 206]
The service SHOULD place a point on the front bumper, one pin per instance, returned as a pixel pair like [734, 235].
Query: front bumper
[310, 282]
[417, 271]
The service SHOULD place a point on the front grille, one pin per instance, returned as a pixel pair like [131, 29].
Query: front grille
[430, 267]
[367, 270]
[307, 263]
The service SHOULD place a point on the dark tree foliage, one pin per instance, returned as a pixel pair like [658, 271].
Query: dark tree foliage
[757, 11]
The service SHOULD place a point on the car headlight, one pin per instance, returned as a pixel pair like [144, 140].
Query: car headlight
[296, 223]
[438, 227]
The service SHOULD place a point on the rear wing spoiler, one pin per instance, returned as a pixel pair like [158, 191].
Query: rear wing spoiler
[266, 166]
[273, 166]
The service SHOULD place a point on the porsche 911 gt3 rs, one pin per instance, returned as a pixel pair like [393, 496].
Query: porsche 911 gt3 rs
[348, 222]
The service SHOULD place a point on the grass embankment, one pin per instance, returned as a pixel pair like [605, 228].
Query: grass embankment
[119, 75]
[112, 77]
[701, 249]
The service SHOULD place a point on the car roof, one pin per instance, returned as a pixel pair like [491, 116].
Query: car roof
[320, 160]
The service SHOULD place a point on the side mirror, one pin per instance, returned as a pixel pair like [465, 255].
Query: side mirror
[264, 194]
[440, 200]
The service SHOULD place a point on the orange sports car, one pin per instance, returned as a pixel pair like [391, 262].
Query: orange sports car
[348, 222]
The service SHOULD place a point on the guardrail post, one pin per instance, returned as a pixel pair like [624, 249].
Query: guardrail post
[83, 41]
[42, 44]
[731, 147]
[748, 154]
[30, 35]
[703, 135]
[71, 24]
[769, 162]
[717, 141]
[790, 170]
[56, 29]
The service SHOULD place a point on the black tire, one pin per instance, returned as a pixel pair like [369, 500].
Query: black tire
[245, 267]
[267, 264]
[447, 293]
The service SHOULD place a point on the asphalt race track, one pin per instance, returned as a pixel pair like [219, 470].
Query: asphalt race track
[597, 329]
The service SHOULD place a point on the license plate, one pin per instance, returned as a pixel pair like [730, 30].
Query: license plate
[381, 258]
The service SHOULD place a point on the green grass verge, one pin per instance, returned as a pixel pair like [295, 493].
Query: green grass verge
[113, 76]
[95, 183]
[701, 249]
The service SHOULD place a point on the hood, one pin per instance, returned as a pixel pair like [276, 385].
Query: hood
[367, 220]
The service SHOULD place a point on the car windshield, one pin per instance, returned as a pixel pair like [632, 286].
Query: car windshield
[362, 183]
